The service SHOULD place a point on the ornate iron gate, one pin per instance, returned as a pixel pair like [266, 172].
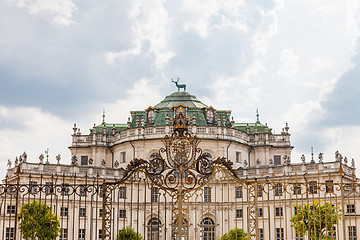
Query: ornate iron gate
[180, 169]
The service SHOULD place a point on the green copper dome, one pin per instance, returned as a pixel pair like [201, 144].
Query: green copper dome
[199, 113]
[183, 98]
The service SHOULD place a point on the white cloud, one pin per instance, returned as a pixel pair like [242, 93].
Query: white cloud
[290, 64]
[326, 88]
[61, 11]
[151, 23]
[252, 96]
[200, 19]
[139, 97]
[320, 64]
[300, 115]
[31, 130]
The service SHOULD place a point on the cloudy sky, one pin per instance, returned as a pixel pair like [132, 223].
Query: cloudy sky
[64, 61]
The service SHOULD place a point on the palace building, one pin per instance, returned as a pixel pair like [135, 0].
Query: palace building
[242, 176]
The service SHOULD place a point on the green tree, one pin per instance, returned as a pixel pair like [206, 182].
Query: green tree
[316, 219]
[129, 234]
[235, 234]
[38, 221]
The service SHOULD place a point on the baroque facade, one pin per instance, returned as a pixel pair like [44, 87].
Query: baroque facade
[256, 153]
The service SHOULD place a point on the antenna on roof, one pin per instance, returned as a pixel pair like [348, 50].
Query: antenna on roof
[257, 115]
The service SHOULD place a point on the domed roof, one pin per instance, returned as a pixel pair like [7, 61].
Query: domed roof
[183, 98]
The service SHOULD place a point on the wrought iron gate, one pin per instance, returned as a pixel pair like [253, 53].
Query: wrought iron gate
[184, 173]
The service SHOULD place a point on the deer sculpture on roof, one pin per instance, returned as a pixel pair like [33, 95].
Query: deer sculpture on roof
[179, 86]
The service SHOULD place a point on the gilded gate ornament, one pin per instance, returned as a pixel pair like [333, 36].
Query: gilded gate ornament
[179, 168]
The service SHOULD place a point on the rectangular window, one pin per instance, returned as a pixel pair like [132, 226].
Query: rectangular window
[65, 189]
[238, 157]
[122, 192]
[313, 187]
[277, 160]
[33, 187]
[49, 188]
[100, 213]
[261, 234]
[10, 209]
[84, 160]
[100, 233]
[260, 212]
[122, 213]
[207, 194]
[278, 211]
[352, 232]
[297, 188]
[82, 190]
[9, 234]
[81, 234]
[63, 234]
[260, 191]
[329, 186]
[295, 210]
[279, 233]
[350, 208]
[278, 189]
[82, 212]
[123, 157]
[239, 192]
[63, 211]
[239, 213]
[154, 194]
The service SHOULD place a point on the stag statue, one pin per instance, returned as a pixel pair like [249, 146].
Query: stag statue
[179, 86]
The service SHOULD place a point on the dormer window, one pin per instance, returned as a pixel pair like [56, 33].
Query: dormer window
[210, 116]
[180, 109]
[150, 116]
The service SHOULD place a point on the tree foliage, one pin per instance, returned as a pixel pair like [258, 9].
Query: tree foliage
[316, 219]
[235, 234]
[129, 234]
[38, 221]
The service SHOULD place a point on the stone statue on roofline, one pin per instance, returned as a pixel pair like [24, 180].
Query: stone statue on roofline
[24, 157]
[58, 158]
[345, 160]
[352, 163]
[16, 161]
[338, 156]
[321, 157]
[74, 160]
[286, 160]
[9, 164]
[41, 158]
[303, 158]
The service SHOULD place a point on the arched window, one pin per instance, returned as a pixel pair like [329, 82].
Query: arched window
[150, 116]
[207, 229]
[210, 116]
[154, 229]
[208, 156]
[185, 230]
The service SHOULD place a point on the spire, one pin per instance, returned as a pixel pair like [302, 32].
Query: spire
[257, 115]
[312, 155]
[47, 156]
[103, 117]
